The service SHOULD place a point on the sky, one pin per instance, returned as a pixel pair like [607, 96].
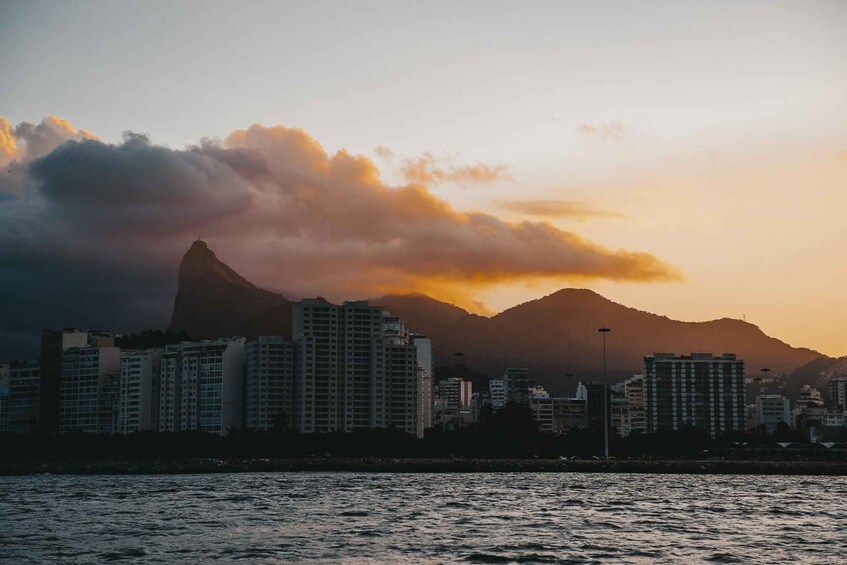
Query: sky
[684, 158]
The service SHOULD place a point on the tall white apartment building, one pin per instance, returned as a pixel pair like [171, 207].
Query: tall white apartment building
[357, 366]
[269, 384]
[340, 366]
[138, 397]
[86, 391]
[201, 386]
[700, 390]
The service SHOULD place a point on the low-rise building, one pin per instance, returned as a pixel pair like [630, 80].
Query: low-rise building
[557, 415]
[771, 410]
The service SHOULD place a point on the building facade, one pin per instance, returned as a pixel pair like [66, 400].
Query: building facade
[54, 343]
[700, 390]
[771, 410]
[497, 392]
[516, 381]
[423, 351]
[838, 393]
[201, 386]
[87, 389]
[557, 415]
[270, 384]
[138, 397]
[357, 366]
[24, 394]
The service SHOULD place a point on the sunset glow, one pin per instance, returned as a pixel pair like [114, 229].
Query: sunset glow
[689, 163]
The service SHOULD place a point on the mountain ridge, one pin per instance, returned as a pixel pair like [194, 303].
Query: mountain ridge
[551, 335]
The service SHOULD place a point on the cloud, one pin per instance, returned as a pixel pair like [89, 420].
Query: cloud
[94, 233]
[8, 147]
[555, 209]
[384, 152]
[427, 170]
[36, 140]
[613, 129]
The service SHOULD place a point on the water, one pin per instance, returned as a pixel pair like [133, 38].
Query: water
[487, 518]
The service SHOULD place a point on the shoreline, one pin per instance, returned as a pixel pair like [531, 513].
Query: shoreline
[398, 465]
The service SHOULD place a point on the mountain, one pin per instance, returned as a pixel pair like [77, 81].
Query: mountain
[420, 312]
[557, 334]
[552, 336]
[213, 301]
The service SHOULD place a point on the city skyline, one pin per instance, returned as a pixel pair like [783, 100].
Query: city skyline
[478, 281]
[557, 148]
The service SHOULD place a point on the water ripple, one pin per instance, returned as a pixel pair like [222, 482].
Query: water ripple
[473, 518]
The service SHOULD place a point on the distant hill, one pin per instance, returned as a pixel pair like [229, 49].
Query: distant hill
[557, 334]
[552, 336]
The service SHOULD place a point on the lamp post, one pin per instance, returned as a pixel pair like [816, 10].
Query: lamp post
[765, 372]
[604, 330]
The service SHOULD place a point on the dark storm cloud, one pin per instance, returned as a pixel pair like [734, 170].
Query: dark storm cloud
[137, 187]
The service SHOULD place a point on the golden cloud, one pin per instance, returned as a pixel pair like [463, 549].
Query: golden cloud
[427, 170]
[555, 209]
[8, 147]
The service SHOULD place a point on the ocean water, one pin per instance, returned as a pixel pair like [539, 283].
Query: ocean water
[395, 518]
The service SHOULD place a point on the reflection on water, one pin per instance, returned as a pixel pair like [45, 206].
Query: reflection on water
[487, 518]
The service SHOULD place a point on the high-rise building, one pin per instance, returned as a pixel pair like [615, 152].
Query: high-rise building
[270, 384]
[24, 387]
[357, 366]
[87, 389]
[771, 410]
[201, 386]
[170, 389]
[700, 390]
[53, 344]
[138, 398]
[340, 366]
[838, 393]
[517, 385]
[423, 352]
[404, 382]
[634, 388]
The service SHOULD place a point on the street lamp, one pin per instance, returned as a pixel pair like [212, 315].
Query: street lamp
[765, 372]
[604, 330]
